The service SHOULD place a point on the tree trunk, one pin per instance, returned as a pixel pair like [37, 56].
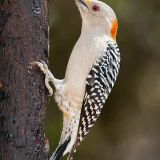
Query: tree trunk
[23, 97]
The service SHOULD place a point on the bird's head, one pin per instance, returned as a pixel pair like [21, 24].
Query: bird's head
[98, 16]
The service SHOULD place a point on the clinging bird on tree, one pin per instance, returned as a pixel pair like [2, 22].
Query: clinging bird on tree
[90, 75]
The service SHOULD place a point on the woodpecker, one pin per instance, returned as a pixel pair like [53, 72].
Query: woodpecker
[90, 75]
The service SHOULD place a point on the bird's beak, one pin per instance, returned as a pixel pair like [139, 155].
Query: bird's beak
[81, 4]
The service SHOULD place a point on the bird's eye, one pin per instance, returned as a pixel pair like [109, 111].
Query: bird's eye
[96, 8]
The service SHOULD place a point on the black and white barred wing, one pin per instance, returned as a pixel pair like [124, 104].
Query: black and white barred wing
[99, 83]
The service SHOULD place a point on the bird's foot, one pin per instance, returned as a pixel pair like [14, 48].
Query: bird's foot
[48, 75]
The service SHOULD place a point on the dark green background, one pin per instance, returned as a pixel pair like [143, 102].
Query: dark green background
[129, 126]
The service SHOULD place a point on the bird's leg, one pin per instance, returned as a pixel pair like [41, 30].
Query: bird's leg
[48, 77]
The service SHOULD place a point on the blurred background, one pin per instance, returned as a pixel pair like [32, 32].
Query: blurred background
[129, 126]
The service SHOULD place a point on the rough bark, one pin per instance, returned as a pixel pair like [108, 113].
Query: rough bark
[23, 97]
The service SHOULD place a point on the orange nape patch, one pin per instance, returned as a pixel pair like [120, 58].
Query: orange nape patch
[114, 29]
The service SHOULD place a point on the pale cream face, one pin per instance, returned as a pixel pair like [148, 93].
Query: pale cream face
[98, 14]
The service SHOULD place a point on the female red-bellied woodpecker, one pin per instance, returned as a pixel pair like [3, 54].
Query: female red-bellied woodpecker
[90, 75]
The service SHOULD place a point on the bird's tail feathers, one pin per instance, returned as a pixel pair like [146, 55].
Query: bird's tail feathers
[68, 137]
[71, 154]
[60, 150]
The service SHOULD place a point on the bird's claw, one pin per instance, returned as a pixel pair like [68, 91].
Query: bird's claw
[48, 75]
[44, 64]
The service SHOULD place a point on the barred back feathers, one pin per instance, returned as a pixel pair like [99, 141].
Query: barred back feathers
[99, 83]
